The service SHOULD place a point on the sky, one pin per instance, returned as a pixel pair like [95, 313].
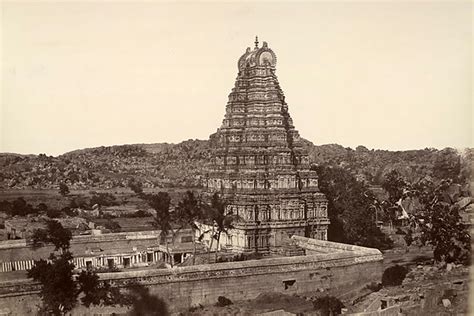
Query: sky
[391, 75]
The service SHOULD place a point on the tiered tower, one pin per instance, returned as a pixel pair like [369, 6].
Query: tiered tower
[259, 166]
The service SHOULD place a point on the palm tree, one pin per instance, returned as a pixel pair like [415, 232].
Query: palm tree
[189, 211]
[222, 222]
[161, 204]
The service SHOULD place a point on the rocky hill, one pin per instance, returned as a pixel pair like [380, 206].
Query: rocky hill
[182, 165]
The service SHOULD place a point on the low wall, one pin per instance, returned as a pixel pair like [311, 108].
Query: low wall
[184, 287]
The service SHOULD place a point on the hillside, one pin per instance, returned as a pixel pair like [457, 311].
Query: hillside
[182, 165]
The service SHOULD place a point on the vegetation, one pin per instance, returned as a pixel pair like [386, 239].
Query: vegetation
[163, 219]
[96, 292]
[241, 257]
[59, 291]
[436, 214]
[374, 286]
[19, 207]
[63, 189]
[188, 211]
[351, 209]
[102, 199]
[180, 165]
[143, 303]
[223, 301]
[54, 233]
[393, 276]
[221, 221]
[328, 305]
[440, 223]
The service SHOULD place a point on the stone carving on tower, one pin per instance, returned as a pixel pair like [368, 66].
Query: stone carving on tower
[259, 166]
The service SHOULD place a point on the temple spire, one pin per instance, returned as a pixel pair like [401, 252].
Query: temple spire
[256, 41]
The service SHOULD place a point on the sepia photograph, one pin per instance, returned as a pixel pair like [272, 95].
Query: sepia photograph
[270, 158]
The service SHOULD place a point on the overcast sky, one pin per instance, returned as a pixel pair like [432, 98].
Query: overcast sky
[387, 75]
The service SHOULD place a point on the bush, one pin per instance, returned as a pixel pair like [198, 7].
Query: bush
[328, 305]
[393, 276]
[53, 213]
[374, 286]
[400, 231]
[103, 199]
[195, 308]
[408, 238]
[223, 301]
[139, 213]
[79, 202]
[113, 226]
[69, 211]
[241, 257]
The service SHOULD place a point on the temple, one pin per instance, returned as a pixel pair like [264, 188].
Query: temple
[259, 166]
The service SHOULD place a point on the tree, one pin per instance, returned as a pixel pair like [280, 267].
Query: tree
[53, 213]
[163, 219]
[96, 292]
[103, 199]
[328, 305]
[59, 291]
[440, 223]
[394, 275]
[189, 211]
[19, 206]
[350, 209]
[222, 221]
[447, 164]
[42, 207]
[438, 220]
[79, 202]
[63, 189]
[135, 186]
[54, 233]
[160, 202]
[143, 303]
[394, 185]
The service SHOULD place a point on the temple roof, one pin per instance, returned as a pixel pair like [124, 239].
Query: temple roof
[258, 57]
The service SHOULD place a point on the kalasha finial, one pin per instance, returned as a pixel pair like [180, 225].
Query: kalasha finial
[256, 41]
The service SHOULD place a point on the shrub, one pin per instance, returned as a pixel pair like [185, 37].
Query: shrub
[79, 202]
[400, 231]
[113, 226]
[328, 305]
[195, 308]
[223, 301]
[42, 207]
[408, 238]
[241, 257]
[53, 213]
[69, 211]
[374, 286]
[103, 199]
[393, 276]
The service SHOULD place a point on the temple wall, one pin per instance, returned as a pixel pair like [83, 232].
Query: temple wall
[184, 287]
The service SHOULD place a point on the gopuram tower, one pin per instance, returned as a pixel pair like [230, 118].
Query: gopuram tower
[259, 166]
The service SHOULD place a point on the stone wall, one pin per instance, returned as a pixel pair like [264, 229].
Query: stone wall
[184, 287]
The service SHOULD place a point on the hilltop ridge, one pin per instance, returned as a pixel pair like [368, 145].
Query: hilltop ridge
[182, 165]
